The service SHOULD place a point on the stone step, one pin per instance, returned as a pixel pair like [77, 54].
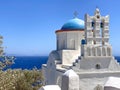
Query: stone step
[77, 60]
[66, 66]
[79, 57]
[74, 63]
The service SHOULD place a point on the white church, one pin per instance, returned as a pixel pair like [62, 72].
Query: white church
[83, 59]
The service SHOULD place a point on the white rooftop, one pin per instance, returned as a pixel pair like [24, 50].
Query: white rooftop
[113, 82]
[70, 73]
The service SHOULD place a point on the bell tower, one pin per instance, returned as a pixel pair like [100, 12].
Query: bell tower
[96, 51]
[97, 35]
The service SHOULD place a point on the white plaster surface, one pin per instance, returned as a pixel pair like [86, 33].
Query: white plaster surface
[94, 66]
[113, 82]
[70, 73]
[69, 40]
[92, 83]
[69, 56]
[70, 80]
[50, 87]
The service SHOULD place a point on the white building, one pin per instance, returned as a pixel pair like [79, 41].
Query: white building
[86, 50]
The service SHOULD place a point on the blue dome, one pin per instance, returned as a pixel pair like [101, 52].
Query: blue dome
[73, 24]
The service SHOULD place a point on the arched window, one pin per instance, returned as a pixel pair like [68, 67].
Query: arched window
[57, 44]
[103, 51]
[101, 25]
[93, 51]
[93, 24]
[88, 51]
[62, 44]
[108, 51]
[99, 51]
[72, 44]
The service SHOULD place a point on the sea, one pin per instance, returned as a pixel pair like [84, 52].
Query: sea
[30, 62]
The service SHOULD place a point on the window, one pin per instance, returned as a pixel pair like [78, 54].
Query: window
[103, 51]
[93, 24]
[98, 16]
[88, 51]
[108, 51]
[83, 42]
[93, 51]
[97, 66]
[98, 51]
[72, 44]
[101, 25]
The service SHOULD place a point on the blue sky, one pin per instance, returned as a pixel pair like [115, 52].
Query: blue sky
[28, 26]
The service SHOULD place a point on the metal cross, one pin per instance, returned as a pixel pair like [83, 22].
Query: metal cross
[75, 14]
[96, 6]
